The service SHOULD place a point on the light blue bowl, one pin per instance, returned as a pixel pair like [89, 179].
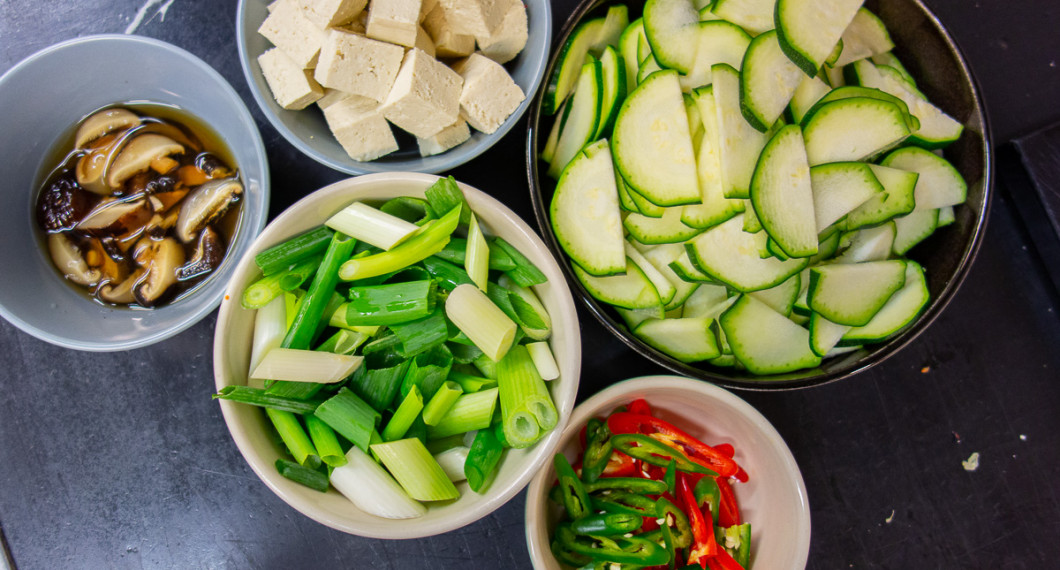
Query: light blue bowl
[308, 132]
[43, 97]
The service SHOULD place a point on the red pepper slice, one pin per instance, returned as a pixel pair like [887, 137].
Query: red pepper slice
[620, 465]
[728, 509]
[724, 561]
[725, 449]
[704, 546]
[671, 435]
[639, 406]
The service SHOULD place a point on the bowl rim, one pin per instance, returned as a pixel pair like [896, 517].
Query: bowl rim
[430, 164]
[643, 385]
[799, 379]
[213, 291]
[541, 450]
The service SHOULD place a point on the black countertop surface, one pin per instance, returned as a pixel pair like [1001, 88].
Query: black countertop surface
[122, 460]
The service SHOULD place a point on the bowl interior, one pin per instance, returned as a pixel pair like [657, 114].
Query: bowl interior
[934, 59]
[308, 132]
[48, 94]
[248, 425]
[773, 500]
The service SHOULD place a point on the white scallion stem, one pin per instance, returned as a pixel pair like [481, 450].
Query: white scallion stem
[543, 360]
[452, 462]
[532, 300]
[477, 255]
[370, 488]
[306, 366]
[270, 324]
[371, 225]
[415, 469]
[483, 322]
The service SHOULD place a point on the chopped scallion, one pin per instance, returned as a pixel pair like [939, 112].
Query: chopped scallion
[370, 225]
[481, 320]
[468, 413]
[416, 470]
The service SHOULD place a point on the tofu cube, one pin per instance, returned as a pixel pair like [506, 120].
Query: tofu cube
[474, 17]
[288, 29]
[292, 86]
[446, 42]
[425, 8]
[359, 65]
[360, 128]
[445, 139]
[509, 38]
[489, 95]
[394, 21]
[332, 96]
[330, 13]
[424, 42]
[426, 95]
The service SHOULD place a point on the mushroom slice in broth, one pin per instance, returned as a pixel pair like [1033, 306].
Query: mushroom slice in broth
[205, 204]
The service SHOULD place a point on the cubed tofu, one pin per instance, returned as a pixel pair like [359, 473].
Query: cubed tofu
[330, 13]
[360, 128]
[424, 42]
[292, 86]
[359, 65]
[446, 42]
[445, 139]
[288, 29]
[474, 17]
[509, 38]
[489, 95]
[394, 21]
[425, 8]
[332, 96]
[426, 95]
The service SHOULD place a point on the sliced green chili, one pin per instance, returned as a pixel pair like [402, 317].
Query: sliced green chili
[652, 451]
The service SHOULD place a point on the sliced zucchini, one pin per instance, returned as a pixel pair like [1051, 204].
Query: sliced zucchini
[898, 198]
[730, 255]
[653, 145]
[946, 216]
[660, 256]
[585, 212]
[913, 228]
[751, 223]
[549, 151]
[667, 229]
[648, 66]
[768, 80]
[755, 16]
[939, 184]
[708, 300]
[849, 91]
[687, 271]
[810, 29]
[857, 128]
[572, 57]
[628, 45]
[686, 339]
[782, 297]
[839, 188]
[852, 293]
[937, 129]
[901, 310]
[579, 129]
[717, 42]
[782, 195]
[824, 334]
[663, 286]
[629, 290]
[740, 142]
[670, 26]
[634, 317]
[868, 244]
[613, 82]
[625, 196]
[866, 36]
[714, 207]
[765, 341]
[643, 204]
[807, 94]
[615, 22]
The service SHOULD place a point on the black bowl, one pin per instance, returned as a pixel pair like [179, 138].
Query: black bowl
[931, 56]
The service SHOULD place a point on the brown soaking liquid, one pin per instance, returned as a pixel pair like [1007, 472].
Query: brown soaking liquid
[62, 203]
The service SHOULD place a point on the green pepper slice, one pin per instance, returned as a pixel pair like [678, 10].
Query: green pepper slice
[607, 524]
[631, 484]
[707, 491]
[676, 521]
[652, 451]
[618, 549]
[622, 502]
[575, 498]
[597, 450]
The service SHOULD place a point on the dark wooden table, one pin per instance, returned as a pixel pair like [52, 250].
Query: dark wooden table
[123, 461]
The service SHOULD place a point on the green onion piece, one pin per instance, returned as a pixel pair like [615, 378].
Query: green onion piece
[476, 261]
[436, 446]
[390, 304]
[270, 325]
[343, 342]
[379, 386]
[406, 413]
[486, 365]
[294, 250]
[452, 461]
[469, 382]
[481, 320]
[498, 432]
[446, 274]
[303, 475]
[421, 335]
[545, 363]
[429, 240]
[385, 348]
[456, 252]
[333, 305]
[482, 460]
[418, 430]
[469, 412]
[415, 210]
[306, 366]
[370, 225]
[291, 299]
[370, 488]
[262, 398]
[325, 441]
[416, 470]
[525, 273]
[464, 353]
[267, 288]
[443, 399]
[526, 406]
[292, 434]
[445, 195]
[532, 315]
[428, 371]
[349, 415]
[311, 310]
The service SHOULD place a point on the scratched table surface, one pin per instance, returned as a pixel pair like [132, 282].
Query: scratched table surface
[123, 461]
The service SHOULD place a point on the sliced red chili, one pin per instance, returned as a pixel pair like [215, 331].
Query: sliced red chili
[671, 435]
[724, 561]
[726, 449]
[704, 545]
[639, 406]
[620, 465]
[728, 509]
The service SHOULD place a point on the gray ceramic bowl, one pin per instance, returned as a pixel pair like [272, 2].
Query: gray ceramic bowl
[44, 97]
[930, 54]
[308, 132]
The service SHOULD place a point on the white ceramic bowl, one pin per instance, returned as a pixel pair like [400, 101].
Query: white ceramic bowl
[308, 132]
[249, 426]
[44, 97]
[773, 500]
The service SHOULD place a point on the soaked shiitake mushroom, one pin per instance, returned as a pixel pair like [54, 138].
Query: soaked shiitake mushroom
[141, 207]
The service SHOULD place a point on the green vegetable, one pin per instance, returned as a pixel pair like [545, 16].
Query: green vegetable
[299, 474]
[293, 251]
[482, 459]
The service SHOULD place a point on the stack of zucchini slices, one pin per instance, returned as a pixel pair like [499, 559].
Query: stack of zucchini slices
[741, 180]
